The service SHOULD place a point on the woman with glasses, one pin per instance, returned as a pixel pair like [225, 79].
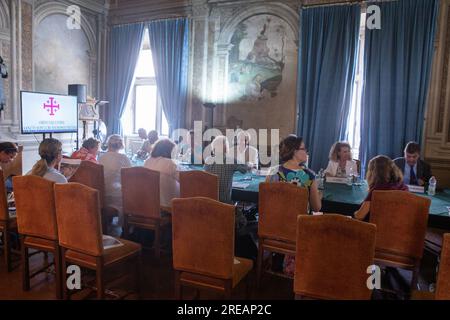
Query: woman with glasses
[50, 151]
[293, 156]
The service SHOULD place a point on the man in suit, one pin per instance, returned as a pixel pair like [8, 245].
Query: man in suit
[415, 171]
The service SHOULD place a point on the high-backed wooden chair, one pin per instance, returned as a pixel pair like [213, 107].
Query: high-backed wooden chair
[333, 256]
[280, 204]
[36, 222]
[199, 184]
[80, 234]
[141, 203]
[401, 219]
[443, 278]
[7, 224]
[203, 246]
[92, 175]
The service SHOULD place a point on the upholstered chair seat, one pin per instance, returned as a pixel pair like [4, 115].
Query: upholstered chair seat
[280, 204]
[401, 219]
[141, 203]
[81, 238]
[36, 222]
[198, 183]
[333, 255]
[203, 246]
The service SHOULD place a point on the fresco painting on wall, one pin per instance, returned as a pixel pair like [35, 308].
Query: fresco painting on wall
[257, 58]
[61, 55]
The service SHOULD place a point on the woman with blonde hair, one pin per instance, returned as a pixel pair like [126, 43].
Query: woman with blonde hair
[382, 174]
[341, 163]
[113, 162]
[50, 151]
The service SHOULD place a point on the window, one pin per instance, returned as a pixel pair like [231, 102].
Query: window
[144, 108]
[353, 132]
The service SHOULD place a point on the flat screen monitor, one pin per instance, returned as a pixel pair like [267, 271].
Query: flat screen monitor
[48, 113]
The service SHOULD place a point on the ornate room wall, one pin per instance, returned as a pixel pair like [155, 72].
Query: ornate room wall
[43, 54]
[437, 124]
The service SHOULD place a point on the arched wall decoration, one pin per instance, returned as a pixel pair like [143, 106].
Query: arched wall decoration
[53, 7]
[88, 28]
[271, 91]
[5, 21]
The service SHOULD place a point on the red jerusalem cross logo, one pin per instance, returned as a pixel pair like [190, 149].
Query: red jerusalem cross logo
[51, 105]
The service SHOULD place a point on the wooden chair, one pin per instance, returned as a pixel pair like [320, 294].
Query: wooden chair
[141, 203]
[80, 235]
[443, 278]
[333, 255]
[8, 224]
[203, 246]
[36, 222]
[92, 175]
[199, 184]
[279, 205]
[401, 219]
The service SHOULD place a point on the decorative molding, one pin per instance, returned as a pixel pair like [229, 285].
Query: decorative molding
[57, 7]
[5, 21]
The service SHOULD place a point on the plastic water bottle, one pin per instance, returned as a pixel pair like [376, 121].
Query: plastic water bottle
[432, 186]
[350, 177]
[320, 178]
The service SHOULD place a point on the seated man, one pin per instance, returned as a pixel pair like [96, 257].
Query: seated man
[415, 171]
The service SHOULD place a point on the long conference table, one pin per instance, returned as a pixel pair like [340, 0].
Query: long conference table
[336, 197]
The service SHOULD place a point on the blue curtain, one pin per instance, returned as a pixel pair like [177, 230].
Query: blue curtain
[170, 52]
[124, 48]
[397, 66]
[326, 71]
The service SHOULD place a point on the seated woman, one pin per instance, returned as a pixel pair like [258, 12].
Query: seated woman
[8, 151]
[161, 161]
[113, 162]
[382, 174]
[292, 156]
[341, 163]
[50, 150]
[148, 144]
[244, 152]
[88, 151]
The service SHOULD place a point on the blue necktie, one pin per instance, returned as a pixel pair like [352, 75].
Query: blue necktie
[412, 177]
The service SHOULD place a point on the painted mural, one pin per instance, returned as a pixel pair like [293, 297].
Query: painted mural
[257, 58]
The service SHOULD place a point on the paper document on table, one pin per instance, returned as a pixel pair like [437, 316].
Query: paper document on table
[336, 180]
[110, 242]
[240, 185]
[416, 189]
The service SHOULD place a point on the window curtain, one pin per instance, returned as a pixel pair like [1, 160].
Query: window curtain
[397, 66]
[170, 52]
[124, 48]
[326, 70]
